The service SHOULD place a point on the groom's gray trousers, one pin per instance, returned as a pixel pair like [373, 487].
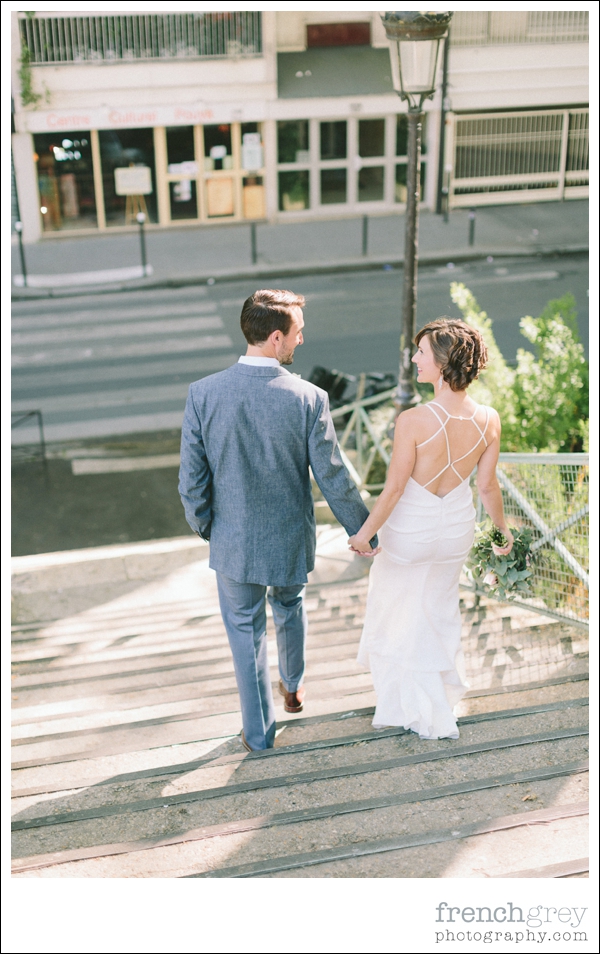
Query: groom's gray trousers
[251, 436]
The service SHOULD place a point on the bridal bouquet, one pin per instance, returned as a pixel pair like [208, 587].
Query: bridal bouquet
[506, 576]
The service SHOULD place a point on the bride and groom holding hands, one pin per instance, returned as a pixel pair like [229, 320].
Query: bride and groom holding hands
[252, 435]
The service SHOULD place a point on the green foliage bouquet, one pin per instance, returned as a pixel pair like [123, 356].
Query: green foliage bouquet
[506, 575]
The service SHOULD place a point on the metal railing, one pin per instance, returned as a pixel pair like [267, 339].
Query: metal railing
[109, 39]
[23, 453]
[547, 492]
[365, 443]
[499, 156]
[495, 28]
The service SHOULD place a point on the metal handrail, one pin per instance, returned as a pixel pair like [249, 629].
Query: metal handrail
[24, 452]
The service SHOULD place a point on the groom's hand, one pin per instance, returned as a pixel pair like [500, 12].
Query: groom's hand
[362, 546]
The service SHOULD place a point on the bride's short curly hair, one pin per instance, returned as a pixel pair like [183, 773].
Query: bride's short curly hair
[458, 349]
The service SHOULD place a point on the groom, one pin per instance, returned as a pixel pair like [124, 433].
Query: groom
[250, 435]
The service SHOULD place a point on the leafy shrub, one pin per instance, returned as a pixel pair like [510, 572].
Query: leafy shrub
[543, 402]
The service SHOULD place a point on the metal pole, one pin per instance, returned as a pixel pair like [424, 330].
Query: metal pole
[253, 242]
[19, 231]
[365, 234]
[407, 395]
[42, 445]
[445, 104]
[141, 218]
[472, 216]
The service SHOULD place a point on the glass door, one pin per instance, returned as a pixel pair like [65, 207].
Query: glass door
[182, 173]
[253, 171]
[219, 183]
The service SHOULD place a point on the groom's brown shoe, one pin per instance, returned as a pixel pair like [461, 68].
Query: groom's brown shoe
[244, 743]
[292, 701]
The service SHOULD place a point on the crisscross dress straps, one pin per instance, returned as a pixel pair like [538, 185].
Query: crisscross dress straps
[443, 422]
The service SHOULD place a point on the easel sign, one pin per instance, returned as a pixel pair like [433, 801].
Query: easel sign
[134, 182]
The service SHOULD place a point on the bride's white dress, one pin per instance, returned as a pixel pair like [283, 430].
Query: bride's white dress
[411, 635]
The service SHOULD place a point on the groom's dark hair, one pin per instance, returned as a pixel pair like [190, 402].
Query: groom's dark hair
[266, 311]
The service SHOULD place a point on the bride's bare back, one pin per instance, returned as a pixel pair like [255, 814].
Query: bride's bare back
[449, 446]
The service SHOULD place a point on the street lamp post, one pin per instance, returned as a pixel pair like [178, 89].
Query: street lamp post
[415, 41]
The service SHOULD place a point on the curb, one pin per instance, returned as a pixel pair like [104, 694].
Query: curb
[307, 268]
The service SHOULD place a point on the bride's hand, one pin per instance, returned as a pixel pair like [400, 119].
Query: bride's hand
[504, 551]
[362, 547]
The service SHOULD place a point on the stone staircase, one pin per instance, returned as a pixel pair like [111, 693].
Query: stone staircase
[128, 762]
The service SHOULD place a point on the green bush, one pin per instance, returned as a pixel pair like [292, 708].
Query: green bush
[543, 402]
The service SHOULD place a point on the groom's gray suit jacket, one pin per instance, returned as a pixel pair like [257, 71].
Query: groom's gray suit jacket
[250, 434]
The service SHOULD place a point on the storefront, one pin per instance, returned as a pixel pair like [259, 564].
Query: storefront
[353, 164]
[174, 174]
[209, 172]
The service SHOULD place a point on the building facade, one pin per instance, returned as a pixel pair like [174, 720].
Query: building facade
[201, 118]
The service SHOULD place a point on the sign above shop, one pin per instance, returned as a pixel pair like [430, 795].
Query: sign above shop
[37, 120]
[133, 180]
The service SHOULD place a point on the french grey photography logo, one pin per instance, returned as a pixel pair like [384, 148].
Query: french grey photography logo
[512, 923]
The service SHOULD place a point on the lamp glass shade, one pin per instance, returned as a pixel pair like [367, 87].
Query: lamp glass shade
[417, 63]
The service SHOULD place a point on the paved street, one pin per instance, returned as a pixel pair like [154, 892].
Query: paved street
[111, 364]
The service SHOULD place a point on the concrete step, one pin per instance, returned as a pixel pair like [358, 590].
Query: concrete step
[128, 762]
[384, 780]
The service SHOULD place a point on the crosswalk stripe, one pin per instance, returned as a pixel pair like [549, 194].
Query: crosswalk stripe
[192, 366]
[113, 364]
[116, 330]
[51, 318]
[97, 399]
[133, 350]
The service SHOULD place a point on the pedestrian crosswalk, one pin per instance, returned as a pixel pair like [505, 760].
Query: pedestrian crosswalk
[105, 365]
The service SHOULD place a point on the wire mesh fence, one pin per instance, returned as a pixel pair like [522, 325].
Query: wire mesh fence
[549, 493]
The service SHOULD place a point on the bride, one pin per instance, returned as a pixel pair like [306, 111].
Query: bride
[411, 635]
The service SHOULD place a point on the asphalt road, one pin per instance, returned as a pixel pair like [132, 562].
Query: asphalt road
[114, 364]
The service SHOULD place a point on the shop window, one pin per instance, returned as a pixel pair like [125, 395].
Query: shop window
[333, 186]
[338, 34]
[294, 191]
[181, 160]
[253, 197]
[370, 184]
[217, 148]
[333, 140]
[65, 180]
[400, 187]
[183, 198]
[371, 137]
[402, 136]
[292, 141]
[180, 147]
[128, 175]
[252, 147]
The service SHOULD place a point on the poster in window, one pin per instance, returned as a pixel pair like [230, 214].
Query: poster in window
[219, 196]
[254, 201]
[133, 180]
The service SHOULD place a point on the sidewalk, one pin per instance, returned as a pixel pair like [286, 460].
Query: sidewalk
[198, 253]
